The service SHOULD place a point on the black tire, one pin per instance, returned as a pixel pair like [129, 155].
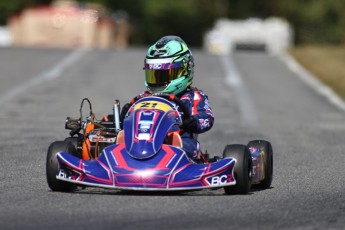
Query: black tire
[75, 142]
[52, 166]
[242, 169]
[268, 162]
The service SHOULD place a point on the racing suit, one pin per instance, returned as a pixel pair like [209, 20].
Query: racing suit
[201, 113]
[202, 118]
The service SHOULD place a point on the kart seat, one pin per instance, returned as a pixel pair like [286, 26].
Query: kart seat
[174, 139]
[120, 139]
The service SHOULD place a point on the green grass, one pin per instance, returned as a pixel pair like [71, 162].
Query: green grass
[325, 62]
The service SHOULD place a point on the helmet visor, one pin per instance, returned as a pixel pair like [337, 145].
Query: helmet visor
[163, 76]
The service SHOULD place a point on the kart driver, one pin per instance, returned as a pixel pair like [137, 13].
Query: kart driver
[169, 68]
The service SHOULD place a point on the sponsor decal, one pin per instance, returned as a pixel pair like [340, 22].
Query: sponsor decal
[160, 52]
[62, 174]
[65, 175]
[156, 66]
[143, 130]
[204, 123]
[219, 180]
[145, 124]
[144, 136]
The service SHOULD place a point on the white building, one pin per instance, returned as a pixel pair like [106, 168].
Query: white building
[273, 35]
[5, 38]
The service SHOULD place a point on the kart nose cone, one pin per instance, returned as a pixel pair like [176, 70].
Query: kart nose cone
[142, 151]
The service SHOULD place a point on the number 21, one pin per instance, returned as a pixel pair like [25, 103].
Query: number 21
[148, 105]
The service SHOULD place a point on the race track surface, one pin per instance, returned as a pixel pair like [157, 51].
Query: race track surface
[253, 95]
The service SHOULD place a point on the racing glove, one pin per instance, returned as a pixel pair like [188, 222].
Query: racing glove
[189, 125]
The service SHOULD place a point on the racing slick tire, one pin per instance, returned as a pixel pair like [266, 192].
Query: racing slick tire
[267, 161]
[52, 165]
[74, 141]
[242, 168]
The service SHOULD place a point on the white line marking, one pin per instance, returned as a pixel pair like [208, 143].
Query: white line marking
[234, 80]
[47, 75]
[312, 81]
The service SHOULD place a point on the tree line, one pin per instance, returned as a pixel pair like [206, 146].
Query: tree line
[314, 21]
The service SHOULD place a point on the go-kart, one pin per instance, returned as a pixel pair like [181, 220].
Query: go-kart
[147, 155]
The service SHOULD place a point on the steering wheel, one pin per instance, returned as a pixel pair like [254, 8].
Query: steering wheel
[171, 97]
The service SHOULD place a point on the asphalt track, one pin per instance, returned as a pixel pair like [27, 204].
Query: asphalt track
[40, 87]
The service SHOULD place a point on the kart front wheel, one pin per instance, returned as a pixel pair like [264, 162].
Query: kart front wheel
[75, 143]
[52, 165]
[242, 169]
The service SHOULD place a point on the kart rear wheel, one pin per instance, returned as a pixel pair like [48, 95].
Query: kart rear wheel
[267, 162]
[52, 165]
[242, 168]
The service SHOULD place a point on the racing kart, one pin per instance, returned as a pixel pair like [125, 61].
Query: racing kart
[146, 155]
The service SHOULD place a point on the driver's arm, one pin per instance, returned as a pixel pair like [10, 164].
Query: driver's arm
[201, 112]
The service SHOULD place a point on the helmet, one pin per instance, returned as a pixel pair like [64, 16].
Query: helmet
[169, 66]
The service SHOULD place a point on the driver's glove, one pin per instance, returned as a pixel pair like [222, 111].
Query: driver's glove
[189, 125]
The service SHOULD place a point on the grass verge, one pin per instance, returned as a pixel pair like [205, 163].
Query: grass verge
[325, 62]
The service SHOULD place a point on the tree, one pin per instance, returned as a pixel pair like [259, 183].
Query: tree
[313, 20]
[9, 8]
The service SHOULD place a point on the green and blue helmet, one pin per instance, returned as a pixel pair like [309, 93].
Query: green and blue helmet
[169, 66]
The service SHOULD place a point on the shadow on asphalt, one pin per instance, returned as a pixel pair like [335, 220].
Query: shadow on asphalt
[206, 192]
